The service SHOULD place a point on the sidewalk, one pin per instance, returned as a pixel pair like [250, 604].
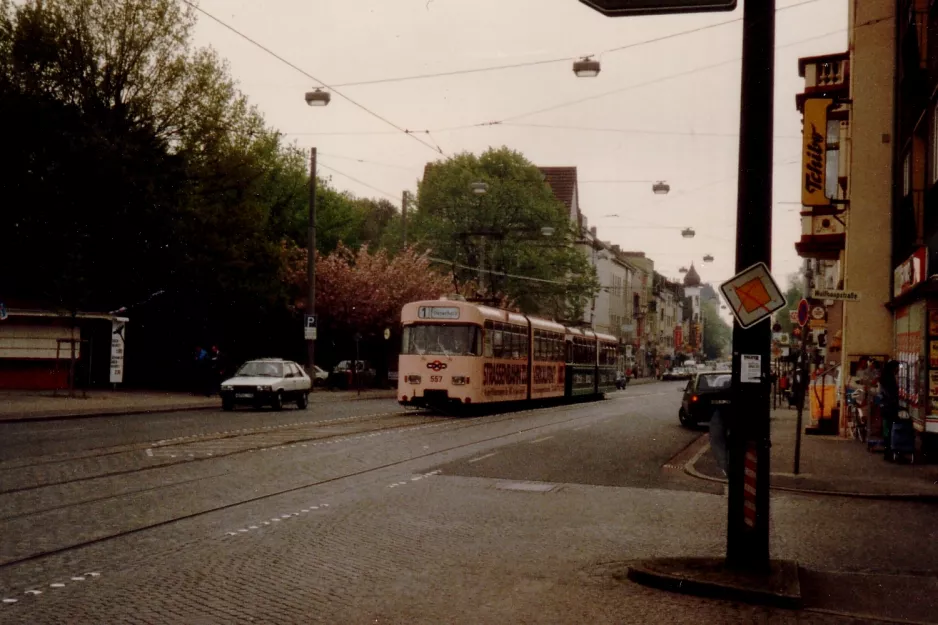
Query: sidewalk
[832, 465]
[41, 405]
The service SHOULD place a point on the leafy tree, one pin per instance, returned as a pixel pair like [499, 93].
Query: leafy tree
[135, 166]
[503, 231]
[793, 295]
[717, 334]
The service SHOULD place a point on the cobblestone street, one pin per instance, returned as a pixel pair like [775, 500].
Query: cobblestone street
[359, 513]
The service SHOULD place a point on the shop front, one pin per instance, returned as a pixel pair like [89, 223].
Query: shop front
[915, 308]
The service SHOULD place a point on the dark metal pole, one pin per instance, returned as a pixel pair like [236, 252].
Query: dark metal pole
[802, 376]
[311, 266]
[747, 540]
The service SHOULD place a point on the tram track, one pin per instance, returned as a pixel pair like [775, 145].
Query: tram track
[112, 450]
[455, 426]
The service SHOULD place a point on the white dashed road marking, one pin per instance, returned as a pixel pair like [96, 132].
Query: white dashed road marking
[482, 457]
[541, 440]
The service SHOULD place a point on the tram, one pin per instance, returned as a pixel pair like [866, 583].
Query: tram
[456, 353]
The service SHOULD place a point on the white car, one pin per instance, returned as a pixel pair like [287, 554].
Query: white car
[268, 382]
[321, 375]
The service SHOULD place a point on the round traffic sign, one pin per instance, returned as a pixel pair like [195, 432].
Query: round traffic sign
[818, 312]
[803, 312]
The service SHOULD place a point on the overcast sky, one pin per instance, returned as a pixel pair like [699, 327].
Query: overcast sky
[659, 109]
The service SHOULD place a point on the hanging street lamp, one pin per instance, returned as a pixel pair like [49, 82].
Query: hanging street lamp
[661, 188]
[586, 68]
[479, 188]
[318, 97]
[708, 258]
[688, 233]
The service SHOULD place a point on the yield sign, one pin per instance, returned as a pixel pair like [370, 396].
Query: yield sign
[752, 295]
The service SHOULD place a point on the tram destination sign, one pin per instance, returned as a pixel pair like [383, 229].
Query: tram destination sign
[438, 312]
[622, 8]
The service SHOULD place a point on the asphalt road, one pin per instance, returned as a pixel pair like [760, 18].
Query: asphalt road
[355, 513]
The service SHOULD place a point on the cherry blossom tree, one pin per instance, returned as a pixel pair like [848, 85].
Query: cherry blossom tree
[361, 291]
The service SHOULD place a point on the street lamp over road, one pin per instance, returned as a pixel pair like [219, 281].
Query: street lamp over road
[318, 97]
[586, 68]
[688, 233]
[661, 188]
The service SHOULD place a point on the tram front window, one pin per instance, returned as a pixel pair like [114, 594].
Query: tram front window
[442, 340]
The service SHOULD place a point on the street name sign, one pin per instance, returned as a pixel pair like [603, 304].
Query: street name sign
[753, 295]
[622, 8]
[837, 296]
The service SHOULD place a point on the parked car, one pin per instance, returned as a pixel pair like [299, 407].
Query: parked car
[705, 393]
[320, 376]
[266, 382]
[676, 373]
[349, 374]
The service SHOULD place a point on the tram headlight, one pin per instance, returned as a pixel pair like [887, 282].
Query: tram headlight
[412, 379]
[460, 379]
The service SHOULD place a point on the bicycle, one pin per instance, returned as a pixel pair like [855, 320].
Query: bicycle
[857, 420]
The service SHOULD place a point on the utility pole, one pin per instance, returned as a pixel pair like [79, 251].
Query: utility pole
[311, 266]
[404, 197]
[747, 540]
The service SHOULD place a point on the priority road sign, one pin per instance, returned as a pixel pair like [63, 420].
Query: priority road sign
[753, 295]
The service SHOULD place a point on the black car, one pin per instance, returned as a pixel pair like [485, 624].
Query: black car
[705, 393]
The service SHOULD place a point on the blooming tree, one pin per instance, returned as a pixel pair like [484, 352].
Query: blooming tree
[362, 291]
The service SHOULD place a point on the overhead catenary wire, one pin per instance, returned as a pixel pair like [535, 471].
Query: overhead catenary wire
[653, 81]
[309, 75]
[555, 60]
[366, 161]
[364, 184]
[511, 120]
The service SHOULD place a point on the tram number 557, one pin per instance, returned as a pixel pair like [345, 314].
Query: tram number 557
[436, 378]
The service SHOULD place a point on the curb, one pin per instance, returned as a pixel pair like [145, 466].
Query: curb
[691, 470]
[121, 412]
[643, 573]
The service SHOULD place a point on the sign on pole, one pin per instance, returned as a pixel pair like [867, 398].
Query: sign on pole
[793, 316]
[803, 313]
[118, 339]
[753, 295]
[837, 296]
[309, 327]
[621, 8]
